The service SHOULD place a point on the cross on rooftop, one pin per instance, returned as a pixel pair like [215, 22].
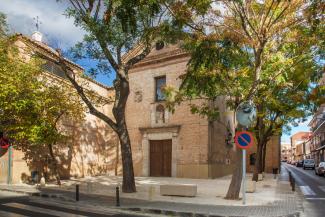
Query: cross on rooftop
[38, 23]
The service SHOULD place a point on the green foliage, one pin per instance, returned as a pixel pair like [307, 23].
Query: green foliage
[19, 90]
[3, 25]
[269, 52]
[31, 107]
[113, 28]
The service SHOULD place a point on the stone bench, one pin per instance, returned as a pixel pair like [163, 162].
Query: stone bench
[182, 190]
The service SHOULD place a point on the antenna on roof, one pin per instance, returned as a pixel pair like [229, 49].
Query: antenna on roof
[38, 23]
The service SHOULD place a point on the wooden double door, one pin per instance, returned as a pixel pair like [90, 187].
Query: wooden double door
[161, 158]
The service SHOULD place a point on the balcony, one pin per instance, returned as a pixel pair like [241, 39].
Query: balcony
[318, 122]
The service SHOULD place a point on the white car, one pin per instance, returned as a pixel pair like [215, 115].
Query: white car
[308, 163]
[320, 170]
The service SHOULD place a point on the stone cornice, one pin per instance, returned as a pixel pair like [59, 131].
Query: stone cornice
[170, 128]
[167, 56]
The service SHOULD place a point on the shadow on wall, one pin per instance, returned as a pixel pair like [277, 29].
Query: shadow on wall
[90, 151]
[97, 153]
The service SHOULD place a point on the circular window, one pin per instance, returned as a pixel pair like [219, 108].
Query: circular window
[160, 45]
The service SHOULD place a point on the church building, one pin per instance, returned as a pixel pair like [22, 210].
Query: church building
[164, 143]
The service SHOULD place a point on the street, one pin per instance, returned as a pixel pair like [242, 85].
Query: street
[18, 205]
[313, 189]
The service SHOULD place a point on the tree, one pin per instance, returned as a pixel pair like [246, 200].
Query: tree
[20, 89]
[60, 105]
[3, 25]
[264, 51]
[33, 104]
[115, 28]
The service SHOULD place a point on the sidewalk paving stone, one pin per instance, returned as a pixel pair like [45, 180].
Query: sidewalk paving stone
[286, 204]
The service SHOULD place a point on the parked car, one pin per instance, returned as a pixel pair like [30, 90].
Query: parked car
[308, 163]
[299, 163]
[320, 169]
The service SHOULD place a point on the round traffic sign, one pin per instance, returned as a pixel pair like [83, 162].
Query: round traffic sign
[244, 139]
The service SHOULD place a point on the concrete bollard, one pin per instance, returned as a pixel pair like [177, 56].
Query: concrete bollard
[89, 187]
[251, 186]
[151, 192]
[42, 182]
[260, 177]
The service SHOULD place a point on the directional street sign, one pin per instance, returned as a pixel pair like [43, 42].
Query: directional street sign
[244, 139]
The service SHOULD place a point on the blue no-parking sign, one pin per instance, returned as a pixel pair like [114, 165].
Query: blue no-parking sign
[244, 139]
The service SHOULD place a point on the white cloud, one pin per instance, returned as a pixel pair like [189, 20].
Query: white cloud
[55, 26]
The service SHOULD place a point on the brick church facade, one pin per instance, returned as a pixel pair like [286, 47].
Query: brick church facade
[179, 144]
[164, 143]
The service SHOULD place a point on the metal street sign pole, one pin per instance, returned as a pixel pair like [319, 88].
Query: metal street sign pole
[244, 140]
[245, 115]
[244, 177]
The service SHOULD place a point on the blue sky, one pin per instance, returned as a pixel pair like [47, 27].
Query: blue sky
[105, 79]
[60, 32]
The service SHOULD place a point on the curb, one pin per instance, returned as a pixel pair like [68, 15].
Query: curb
[170, 212]
[189, 214]
[137, 209]
[37, 194]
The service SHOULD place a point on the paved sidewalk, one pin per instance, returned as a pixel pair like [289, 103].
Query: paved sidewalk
[285, 202]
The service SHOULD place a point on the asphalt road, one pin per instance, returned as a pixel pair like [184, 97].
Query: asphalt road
[17, 205]
[313, 189]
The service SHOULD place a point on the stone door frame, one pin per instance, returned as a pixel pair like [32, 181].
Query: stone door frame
[159, 133]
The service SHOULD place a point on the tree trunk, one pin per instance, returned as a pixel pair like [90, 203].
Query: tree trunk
[236, 179]
[122, 93]
[128, 185]
[257, 166]
[117, 156]
[263, 158]
[54, 164]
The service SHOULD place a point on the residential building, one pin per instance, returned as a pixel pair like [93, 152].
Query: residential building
[307, 148]
[286, 152]
[317, 125]
[297, 145]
